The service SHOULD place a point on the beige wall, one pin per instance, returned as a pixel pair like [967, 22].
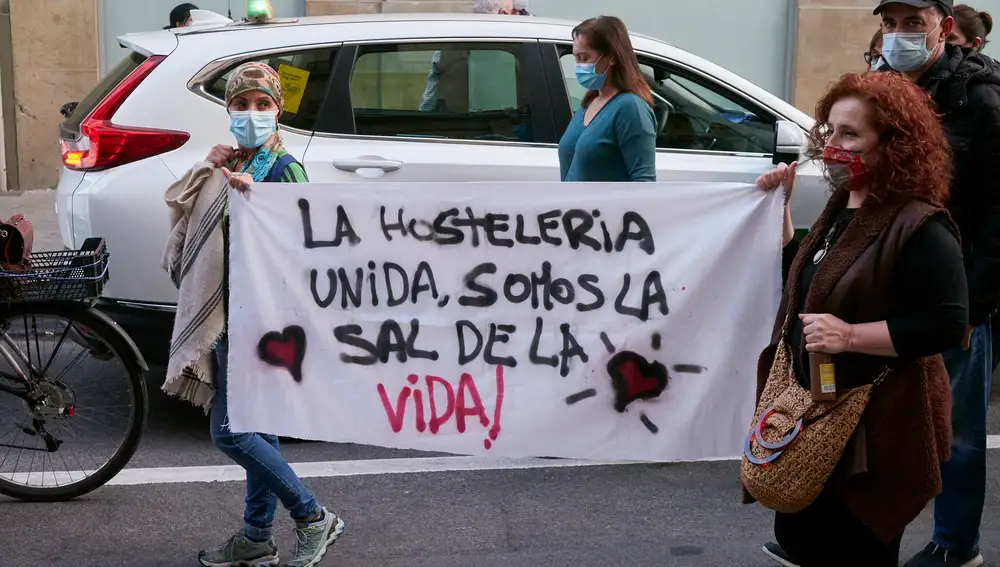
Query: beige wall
[831, 38]
[55, 62]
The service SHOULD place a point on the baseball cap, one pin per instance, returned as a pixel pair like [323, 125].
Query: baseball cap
[947, 5]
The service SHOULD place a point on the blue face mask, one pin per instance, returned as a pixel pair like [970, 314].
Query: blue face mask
[252, 129]
[906, 52]
[588, 77]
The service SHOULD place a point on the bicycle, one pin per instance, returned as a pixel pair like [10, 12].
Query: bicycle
[44, 404]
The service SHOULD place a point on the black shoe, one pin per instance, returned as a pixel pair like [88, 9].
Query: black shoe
[775, 552]
[936, 556]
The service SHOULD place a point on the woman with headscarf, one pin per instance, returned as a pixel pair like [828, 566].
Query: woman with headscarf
[255, 102]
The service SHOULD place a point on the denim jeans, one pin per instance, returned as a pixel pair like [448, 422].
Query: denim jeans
[269, 477]
[958, 510]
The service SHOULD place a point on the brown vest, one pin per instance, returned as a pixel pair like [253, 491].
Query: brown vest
[891, 468]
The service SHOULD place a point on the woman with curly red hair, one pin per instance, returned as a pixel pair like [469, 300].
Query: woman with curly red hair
[873, 294]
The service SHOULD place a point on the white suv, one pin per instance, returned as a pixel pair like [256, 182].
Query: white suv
[360, 108]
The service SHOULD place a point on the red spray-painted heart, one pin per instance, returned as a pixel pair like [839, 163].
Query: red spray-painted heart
[286, 349]
[635, 378]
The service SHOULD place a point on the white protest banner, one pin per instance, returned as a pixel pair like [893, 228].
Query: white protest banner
[605, 321]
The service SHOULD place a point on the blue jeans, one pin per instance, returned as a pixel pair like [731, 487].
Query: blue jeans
[268, 475]
[958, 510]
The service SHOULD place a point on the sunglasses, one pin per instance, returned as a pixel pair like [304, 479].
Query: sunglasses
[872, 56]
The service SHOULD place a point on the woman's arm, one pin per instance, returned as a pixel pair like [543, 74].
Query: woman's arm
[635, 130]
[930, 290]
[783, 176]
[788, 253]
[787, 228]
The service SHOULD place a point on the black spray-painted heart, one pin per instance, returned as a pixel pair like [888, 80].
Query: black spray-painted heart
[286, 349]
[635, 378]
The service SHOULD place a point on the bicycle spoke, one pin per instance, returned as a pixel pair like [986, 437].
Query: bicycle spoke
[68, 366]
[27, 345]
[48, 364]
[38, 349]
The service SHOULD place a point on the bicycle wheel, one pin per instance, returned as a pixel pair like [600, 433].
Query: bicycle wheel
[48, 446]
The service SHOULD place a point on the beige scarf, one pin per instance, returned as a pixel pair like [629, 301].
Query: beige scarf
[194, 258]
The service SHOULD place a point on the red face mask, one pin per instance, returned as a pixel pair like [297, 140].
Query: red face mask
[845, 169]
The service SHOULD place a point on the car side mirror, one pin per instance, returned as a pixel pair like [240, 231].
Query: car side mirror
[789, 141]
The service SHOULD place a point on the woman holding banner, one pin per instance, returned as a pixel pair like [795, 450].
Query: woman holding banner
[612, 137]
[200, 242]
[852, 416]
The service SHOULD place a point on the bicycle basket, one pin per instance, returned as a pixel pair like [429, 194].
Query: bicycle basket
[68, 275]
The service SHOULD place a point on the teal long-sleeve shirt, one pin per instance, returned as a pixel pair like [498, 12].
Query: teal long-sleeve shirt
[619, 144]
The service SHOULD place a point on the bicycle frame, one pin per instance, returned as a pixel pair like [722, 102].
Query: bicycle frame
[18, 361]
[6, 345]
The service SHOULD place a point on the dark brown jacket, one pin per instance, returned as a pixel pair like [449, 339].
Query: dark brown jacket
[891, 468]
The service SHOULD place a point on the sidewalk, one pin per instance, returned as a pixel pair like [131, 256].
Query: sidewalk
[39, 207]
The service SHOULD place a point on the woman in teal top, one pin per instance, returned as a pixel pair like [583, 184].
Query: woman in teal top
[612, 137]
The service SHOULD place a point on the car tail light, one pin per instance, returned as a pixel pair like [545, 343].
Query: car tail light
[103, 144]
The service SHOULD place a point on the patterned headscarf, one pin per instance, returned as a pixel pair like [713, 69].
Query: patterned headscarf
[255, 76]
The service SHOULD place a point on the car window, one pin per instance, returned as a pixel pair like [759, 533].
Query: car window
[460, 91]
[304, 77]
[692, 114]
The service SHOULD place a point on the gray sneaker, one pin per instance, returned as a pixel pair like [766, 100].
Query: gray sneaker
[238, 551]
[311, 540]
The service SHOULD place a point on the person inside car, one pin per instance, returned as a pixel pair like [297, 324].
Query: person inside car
[612, 137]
[447, 88]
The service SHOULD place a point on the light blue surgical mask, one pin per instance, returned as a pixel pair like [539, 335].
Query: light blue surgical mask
[251, 129]
[906, 52]
[588, 77]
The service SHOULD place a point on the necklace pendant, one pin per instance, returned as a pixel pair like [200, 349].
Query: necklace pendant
[819, 256]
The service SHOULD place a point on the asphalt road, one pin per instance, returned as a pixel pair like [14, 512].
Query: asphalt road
[626, 515]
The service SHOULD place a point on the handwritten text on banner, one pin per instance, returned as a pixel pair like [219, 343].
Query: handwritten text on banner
[612, 321]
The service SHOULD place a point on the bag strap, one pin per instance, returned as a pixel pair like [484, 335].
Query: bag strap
[278, 169]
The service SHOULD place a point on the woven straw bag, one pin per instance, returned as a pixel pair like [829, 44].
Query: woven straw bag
[788, 459]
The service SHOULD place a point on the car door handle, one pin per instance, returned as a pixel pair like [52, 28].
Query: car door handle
[367, 162]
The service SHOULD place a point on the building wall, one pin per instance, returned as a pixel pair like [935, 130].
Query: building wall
[831, 38]
[55, 61]
[8, 132]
